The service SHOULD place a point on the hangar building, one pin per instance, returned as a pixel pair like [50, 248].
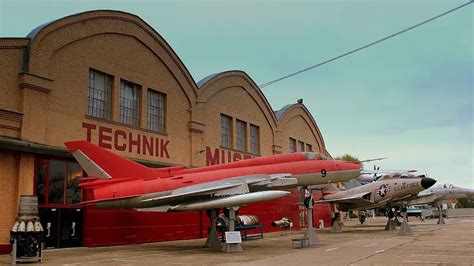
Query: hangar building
[110, 78]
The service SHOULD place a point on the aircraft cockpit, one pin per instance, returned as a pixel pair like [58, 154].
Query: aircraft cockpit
[441, 186]
[316, 156]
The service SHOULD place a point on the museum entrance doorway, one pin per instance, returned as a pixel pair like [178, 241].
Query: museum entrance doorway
[62, 226]
[59, 195]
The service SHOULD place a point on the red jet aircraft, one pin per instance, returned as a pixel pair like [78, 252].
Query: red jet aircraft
[117, 182]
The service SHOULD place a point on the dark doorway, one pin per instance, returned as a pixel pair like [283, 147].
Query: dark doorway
[63, 227]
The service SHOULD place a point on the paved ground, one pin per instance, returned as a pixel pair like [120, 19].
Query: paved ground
[450, 244]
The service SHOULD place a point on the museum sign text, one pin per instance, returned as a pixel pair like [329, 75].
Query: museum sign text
[121, 140]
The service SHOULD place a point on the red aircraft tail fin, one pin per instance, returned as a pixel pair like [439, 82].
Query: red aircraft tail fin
[100, 163]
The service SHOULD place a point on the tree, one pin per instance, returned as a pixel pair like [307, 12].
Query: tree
[349, 158]
[465, 203]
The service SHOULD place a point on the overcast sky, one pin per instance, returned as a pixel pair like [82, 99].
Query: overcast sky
[409, 99]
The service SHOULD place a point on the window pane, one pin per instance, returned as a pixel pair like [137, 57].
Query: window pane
[300, 146]
[309, 147]
[241, 135]
[156, 111]
[254, 139]
[226, 131]
[100, 95]
[41, 170]
[129, 103]
[56, 182]
[73, 174]
[292, 145]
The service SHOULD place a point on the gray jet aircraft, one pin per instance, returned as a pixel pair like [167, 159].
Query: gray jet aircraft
[436, 196]
[380, 193]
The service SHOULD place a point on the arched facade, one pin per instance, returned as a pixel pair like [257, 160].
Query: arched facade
[110, 78]
[121, 46]
[296, 124]
[234, 95]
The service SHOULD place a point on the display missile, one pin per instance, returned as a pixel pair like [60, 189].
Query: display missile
[237, 200]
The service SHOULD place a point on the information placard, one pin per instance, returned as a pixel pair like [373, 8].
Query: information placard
[233, 237]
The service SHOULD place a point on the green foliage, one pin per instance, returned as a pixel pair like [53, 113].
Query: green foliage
[465, 203]
[348, 158]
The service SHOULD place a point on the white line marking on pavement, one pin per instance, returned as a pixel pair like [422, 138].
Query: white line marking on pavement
[378, 251]
[422, 262]
[373, 244]
[329, 249]
[137, 256]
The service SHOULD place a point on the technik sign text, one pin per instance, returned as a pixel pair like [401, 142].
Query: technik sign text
[120, 140]
[219, 156]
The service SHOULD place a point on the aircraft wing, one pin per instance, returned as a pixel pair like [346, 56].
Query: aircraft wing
[227, 187]
[232, 192]
[353, 199]
[202, 189]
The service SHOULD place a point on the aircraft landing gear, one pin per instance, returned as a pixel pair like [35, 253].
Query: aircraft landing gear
[335, 227]
[361, 217]
[405, 228]
[391, 220]
[212, 238]
[310, 233]
[441, 218]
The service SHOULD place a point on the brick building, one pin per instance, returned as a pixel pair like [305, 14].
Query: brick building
[109, 78]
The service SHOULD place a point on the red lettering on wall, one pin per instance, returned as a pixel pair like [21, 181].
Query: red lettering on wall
[164, 148]
[121, 140]
[89, 128]
[212, 158]
[132, 142]
[117, 134]
[222, 156]
[157, 148]
[104, 137]
[236, 157]
[148, 145]
[246, 156]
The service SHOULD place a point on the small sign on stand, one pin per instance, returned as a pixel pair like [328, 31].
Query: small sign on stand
[233, 237]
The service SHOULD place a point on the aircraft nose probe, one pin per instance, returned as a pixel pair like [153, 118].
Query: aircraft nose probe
[427, 182]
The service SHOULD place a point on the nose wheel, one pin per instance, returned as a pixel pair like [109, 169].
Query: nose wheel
[391, 220]
[441, 218]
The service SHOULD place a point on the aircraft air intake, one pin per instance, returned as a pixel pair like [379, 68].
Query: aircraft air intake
[427, 182]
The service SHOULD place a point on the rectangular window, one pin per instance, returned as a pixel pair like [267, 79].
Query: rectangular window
[254, 139]
[73, 191]
[241, 135]
[100, 95]
[129, 104]
[300, 146]
[292, 145]
[41, 172]
[57, 182]
[309, 147]
[226, 131]
[156, 111]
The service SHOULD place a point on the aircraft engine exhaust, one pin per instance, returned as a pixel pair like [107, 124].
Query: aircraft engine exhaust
[283, 222]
